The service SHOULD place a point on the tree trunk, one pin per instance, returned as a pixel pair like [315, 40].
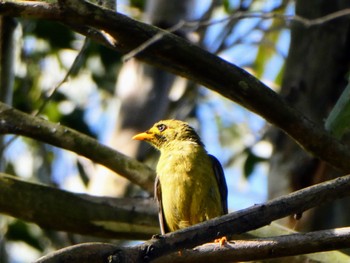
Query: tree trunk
[315, 75]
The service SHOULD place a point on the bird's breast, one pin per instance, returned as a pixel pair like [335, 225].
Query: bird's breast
[189, 189]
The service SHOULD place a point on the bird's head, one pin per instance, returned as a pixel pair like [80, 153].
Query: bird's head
[164, 132]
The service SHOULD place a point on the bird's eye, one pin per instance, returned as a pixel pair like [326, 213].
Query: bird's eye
[161, 127]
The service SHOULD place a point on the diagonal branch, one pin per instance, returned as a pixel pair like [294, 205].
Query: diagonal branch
[13, 121]
[247, 219]
[243, 221]
[239, 250]
[270, 247]
[127, 218]
[174, 54]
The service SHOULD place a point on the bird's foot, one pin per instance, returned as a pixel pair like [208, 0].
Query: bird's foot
[222, 241]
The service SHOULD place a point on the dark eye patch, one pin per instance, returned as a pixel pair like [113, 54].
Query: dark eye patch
[161, 127]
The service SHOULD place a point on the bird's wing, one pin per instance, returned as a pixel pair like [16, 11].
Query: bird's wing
[220, 178]
[158, 194]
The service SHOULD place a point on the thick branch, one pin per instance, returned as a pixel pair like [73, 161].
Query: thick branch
[86, 252]
[16, 122]
[237, 250]
[78, 213]
[174, 54]
[243, 221]
[125, 218]
[267, 248]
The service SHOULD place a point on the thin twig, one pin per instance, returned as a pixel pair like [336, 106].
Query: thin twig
[73, 69]
[194, 25]
[152, 40]
[318, 21]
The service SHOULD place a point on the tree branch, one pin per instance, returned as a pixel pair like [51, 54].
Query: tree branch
[124, 218]
[237, 250]
[267, 248]
[16, 122]
[246, 220]
[135, 218]
[174, 54]
[86, 252]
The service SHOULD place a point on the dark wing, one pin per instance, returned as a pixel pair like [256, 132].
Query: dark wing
[158, 195]
[220, 178]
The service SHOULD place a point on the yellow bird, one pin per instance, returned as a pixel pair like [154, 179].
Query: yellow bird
[190, 186]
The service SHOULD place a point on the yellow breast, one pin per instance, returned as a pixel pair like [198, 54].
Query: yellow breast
[190, 192]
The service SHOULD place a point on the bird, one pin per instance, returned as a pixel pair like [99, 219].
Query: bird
[190, 185]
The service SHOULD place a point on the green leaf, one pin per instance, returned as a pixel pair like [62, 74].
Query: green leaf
[251, 161]
[226, 5]
[338, 121]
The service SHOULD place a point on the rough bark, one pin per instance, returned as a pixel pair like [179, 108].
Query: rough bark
[315, 75]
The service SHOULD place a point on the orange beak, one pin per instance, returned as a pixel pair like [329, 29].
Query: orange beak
[144, 136]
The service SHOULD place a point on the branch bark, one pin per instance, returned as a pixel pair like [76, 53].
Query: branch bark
[246, 220]
[13, 121]
[124, 218]
[267, 248]
[133, 218]
[180, 57]
[237, 250]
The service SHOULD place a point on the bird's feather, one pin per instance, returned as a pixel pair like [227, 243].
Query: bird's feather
[220, 178]
[158, 195]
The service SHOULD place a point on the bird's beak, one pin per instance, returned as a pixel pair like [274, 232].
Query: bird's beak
[144, 136]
